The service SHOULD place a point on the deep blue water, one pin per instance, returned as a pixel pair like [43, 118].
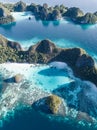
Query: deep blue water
[29, 119]
[64, 34]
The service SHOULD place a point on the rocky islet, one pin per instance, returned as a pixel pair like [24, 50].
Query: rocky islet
[46, 51]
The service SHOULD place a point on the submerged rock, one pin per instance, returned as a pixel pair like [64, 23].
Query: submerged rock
[81, 96]
[53, 102]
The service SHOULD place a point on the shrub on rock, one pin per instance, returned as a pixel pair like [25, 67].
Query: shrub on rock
[53, 103]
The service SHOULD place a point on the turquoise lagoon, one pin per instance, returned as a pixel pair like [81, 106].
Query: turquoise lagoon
[43, 76]
[64, 34]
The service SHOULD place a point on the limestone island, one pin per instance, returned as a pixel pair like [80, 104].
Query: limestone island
[45, 52]
[5, 15]
[50, 13]
[75, 102]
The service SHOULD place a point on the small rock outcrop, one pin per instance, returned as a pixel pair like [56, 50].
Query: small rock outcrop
[15, 79]
[18, 78]
[19, 6]
[53, 102]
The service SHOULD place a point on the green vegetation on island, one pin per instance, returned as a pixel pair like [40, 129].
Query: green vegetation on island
[46, 51]
[5, 15]
[53, 102]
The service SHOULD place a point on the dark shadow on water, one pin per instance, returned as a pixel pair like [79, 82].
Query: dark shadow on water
[46, 23]
[40, 106]
[77, 100]
[83, 26]
[32, 120]
[56, 23]
[52, 72]
[9, 80]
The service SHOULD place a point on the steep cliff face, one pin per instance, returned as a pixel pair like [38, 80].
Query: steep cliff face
[6, 43]
[44, 46]
[46, 51]
[5, 15]
[19, 6]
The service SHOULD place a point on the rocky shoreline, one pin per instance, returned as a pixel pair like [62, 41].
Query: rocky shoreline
[75, 101]
[5, 15]
[52, 104]
[45, 52]
[56, 103]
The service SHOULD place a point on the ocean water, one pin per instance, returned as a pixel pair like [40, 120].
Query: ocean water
[29, 119]
[45, 77]
[64, 34]
[24, 117]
